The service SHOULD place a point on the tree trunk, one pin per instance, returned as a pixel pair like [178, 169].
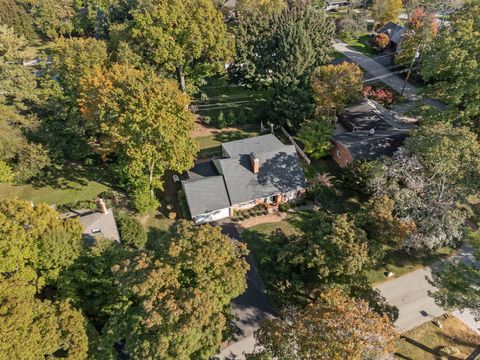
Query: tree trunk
[150, 180]
[181, 78]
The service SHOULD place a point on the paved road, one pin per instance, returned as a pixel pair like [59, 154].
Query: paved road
[381, 73]
[250, 309]
[410, 294]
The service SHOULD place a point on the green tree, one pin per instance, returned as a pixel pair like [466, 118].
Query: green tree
[179, 296]
[384, 11]
[421, 31]
[261, 6]
[334, 86]
[53, 18]
[429, 180]
[187, 38]
[132, 231]
[315, 136]
[334, 327]
[74, 59]
[458, 282]
[14, 14]
[281, 50]
[36, 242]
[143, 120]
[17, 122]
[450, 66]
[333, 250]
[34, 329]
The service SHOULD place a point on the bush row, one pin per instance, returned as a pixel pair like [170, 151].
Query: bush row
[258, 210]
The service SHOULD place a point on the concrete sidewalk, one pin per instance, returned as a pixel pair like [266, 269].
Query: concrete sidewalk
[381, 73]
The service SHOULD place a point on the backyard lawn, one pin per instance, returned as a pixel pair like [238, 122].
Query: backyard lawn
[426, 341]
[362, 44]
[219, 96]
[61, 185]
[210, 144]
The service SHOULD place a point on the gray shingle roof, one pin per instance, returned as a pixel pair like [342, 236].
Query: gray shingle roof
[389, 133]
[98, 224]
[372, 146]
[280, 171]
[206, 195]
[258, 144]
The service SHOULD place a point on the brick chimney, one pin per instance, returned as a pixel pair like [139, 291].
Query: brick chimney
[101, 206]
[255, 163]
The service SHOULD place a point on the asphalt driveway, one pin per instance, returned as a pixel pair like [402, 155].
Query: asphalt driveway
[250, 309]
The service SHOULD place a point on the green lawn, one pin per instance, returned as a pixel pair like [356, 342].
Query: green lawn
[210, 145]
[235, 99]
[61, 185]
[362, 44]
[426, 341]
[401, 263]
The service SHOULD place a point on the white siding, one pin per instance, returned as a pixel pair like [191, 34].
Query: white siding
[212, 216]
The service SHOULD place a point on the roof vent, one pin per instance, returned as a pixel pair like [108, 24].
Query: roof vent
[255, 162]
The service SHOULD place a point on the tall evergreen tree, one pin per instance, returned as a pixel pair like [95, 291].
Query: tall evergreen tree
[281, 50]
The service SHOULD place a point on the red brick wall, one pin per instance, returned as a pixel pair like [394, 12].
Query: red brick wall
[341, 155]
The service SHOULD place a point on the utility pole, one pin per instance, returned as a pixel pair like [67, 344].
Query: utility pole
[417, 54]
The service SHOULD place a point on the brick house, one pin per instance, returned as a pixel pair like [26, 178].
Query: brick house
[367, 132]
[257, 170]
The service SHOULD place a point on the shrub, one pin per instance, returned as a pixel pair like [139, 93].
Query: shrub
[182, 202]
[383, 96]
[242, 118]
[203, 97]
[143, 202]
[231, 120]
[6, 173]
[247, 216]
[131, 231]
[241, 218]
[381, 41]
[221, 122]
[283, 207]
[207, 120]
[172, 215]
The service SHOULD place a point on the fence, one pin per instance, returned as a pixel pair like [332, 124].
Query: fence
[297, 147]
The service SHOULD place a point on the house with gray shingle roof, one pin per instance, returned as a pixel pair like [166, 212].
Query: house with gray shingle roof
[369, 131]
[252, 171]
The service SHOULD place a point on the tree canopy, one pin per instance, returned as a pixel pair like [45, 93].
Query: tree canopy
[334, 327]
[451, 66]
[186, 38]
[141, 119]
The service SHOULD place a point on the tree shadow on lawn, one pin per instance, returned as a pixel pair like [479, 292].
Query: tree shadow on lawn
[72, 176]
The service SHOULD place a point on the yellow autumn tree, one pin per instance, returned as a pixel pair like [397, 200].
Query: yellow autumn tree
[336, 327]
[334, 86]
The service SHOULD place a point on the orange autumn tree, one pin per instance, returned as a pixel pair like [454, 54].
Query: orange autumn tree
[142, 121]
[334, 86]
[334, 327]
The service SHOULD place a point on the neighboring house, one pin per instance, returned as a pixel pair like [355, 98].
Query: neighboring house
[368, 131]
[96, 223]
[395, 32]
[251, 171]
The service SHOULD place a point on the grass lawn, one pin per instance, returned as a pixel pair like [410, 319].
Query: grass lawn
[401, 263]
[425, 341]
[61, 185]
[210, 145]
[362, 44]
[225, 97]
